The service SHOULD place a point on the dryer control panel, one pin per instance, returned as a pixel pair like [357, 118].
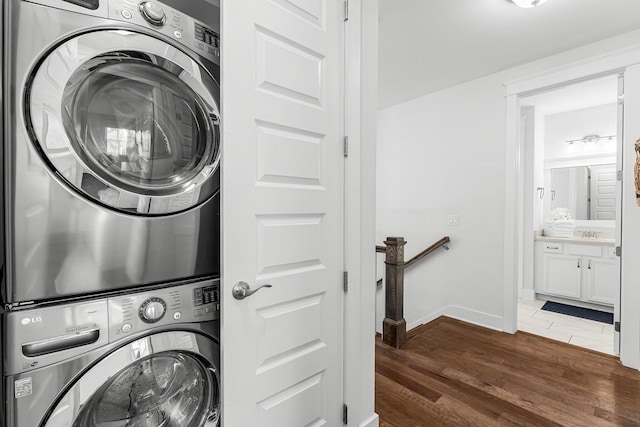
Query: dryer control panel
[138, 312]
[162, 18]
[181, 27]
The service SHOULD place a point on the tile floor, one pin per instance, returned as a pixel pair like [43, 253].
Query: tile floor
[596, 336]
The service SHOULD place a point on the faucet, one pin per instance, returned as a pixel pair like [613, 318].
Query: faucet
[589, 234]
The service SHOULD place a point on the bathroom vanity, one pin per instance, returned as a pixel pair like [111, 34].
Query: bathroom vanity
[577, 271]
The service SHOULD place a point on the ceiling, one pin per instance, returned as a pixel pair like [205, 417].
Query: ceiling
[429, 45]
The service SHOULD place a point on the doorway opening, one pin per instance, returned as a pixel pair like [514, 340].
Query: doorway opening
[570, 288]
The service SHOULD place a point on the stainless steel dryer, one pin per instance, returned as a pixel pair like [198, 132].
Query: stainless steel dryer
[111, 146]
[145, 359]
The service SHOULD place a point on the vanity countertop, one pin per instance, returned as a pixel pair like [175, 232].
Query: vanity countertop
[586, 240]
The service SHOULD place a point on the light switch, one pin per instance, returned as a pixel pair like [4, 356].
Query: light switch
[453, 220]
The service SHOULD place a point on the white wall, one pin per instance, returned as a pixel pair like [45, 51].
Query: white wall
[538, 169]
[444, 154]
[561, 127]
[438, 155]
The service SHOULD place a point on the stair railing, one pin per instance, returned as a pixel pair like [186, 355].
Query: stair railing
[394, 327]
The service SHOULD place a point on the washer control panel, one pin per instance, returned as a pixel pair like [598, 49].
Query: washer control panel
[152, 310]
[180, 27]
[42, 336]
[133, 313]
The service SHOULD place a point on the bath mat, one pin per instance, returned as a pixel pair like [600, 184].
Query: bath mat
[584, 313]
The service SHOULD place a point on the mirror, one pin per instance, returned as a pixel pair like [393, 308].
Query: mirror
[589, 192]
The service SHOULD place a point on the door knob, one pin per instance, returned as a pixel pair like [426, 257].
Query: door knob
[241, 290]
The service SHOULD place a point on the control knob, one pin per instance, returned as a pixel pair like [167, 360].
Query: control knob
[152, 13]
[152, 310]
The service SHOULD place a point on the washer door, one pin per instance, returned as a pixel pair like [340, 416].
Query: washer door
[127, 121]
[164, 380]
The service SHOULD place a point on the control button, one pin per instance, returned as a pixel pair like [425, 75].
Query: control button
[198, 313]
[126, 14]
[199, 45]
[210, 309]
[126, 328]
[152, 13]
[177, 315]
[197, 296]
[178, 34]
[152, 310]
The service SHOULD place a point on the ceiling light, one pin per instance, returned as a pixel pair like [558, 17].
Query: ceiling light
[527, 3]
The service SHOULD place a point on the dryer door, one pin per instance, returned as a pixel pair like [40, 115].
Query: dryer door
[128, 121]
[168, 379]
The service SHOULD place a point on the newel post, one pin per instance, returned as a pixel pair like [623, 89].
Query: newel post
[394, 327]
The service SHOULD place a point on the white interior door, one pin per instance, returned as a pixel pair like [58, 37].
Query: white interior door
[603, 192]
[282, 212]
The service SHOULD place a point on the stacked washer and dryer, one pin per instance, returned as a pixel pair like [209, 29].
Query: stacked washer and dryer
[110, 220]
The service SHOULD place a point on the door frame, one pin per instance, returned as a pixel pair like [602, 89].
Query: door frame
[515, 237]
[361, 89]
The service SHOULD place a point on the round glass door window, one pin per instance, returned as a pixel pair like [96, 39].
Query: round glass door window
[139, 128]
[132, 129]
[170, 389]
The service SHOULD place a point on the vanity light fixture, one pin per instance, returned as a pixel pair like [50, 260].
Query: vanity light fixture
[591, 138]
[527, 3]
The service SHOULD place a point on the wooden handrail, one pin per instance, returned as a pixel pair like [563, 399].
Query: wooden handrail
[442, 242]
[394, 326]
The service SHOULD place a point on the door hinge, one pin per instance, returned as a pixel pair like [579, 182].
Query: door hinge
[346, 10]
[618, 250]
[346, 146]
[345, 281]
[616, 326]
[619, 175]
[345, 414]
[621, 99]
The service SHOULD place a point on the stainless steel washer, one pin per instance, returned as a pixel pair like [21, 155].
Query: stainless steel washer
[112, 146]
[142, 359]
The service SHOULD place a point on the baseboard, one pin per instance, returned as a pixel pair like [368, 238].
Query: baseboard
[429, 318]
[528, 294]
[466, 315]
[372, 421]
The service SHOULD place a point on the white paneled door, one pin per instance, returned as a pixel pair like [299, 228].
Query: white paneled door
[603, 192]
[282, 212]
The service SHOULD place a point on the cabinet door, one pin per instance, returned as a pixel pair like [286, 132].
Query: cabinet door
[601, 279]
[562, 275]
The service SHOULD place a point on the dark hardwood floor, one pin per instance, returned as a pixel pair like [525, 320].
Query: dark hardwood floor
[451, 373]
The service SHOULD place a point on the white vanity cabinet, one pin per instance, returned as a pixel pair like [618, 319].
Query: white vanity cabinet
[601, 279]
[585, 271]
[562, 275]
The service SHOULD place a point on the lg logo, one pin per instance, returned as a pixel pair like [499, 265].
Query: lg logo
[28, 320]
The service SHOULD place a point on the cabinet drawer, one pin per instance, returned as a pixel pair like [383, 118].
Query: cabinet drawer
[553, 248]
[586, 250]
